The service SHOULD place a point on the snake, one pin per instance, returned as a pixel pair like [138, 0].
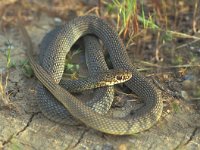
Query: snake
[49, 73]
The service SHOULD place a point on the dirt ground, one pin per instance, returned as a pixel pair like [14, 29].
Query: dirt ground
[173, 63]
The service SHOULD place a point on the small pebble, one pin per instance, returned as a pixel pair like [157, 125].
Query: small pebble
[57, 21]
[184, 94]
[192, 47]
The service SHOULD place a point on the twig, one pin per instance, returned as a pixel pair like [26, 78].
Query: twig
[195, 98]
[194, 22]
[99, 6]
[167, 67]
[187, 44]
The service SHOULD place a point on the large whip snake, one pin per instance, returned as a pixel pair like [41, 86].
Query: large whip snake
[56, 45]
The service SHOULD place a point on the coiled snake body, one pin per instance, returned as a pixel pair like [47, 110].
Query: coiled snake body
[58, 43]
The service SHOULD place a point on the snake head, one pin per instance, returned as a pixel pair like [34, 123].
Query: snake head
[115, 76]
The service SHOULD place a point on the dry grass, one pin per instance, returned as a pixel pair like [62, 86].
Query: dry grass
[4, 76]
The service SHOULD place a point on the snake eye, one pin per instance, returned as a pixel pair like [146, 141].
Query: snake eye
[119, 77]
